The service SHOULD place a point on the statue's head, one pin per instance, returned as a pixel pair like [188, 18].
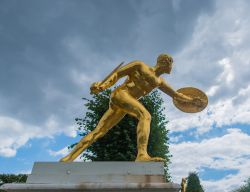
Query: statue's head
[164, 63]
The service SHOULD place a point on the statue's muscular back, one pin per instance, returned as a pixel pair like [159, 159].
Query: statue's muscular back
[140, 82]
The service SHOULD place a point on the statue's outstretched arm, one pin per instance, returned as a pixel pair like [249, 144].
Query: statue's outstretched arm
[166, 88]
[113, 78]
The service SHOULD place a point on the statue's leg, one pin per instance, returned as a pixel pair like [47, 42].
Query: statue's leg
[110, 118]
[133, 107]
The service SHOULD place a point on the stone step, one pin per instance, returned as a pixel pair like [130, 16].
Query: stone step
[95, 176]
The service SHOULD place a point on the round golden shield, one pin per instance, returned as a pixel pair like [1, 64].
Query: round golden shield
[199, 102]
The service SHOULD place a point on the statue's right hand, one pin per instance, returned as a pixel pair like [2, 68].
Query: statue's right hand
[95, 88]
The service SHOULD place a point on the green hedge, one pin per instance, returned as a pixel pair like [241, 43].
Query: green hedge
[11, 178]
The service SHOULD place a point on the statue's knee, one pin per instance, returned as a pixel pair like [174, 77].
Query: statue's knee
[102, 133]
[80, 144]
[145, 115]
[99, 134]
[148, 117]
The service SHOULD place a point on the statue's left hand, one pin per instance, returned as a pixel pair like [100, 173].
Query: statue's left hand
[190, 100]
[183, 98]
[197, 102]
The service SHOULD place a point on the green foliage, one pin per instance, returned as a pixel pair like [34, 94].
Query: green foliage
[119, 144]
[245, 187]
[11, 178]
[193, 183]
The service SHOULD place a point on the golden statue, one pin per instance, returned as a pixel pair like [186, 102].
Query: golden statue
[183, 184]
[141, 80]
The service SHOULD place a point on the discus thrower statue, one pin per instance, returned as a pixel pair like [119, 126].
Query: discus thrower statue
[141, 80]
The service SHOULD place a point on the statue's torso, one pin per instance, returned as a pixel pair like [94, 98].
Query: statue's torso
[141, 82]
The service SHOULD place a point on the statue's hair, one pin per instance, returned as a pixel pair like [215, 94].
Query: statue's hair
[163, 57]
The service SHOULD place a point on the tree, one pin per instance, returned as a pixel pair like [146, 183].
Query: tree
[119, 144]
[245, 187]
[193, 183]
[11, 178]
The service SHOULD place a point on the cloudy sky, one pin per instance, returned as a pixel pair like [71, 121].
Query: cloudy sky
[51, 51]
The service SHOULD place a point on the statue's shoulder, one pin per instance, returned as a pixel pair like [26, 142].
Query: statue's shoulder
[136, 65]
[142, 64]
[138, 62]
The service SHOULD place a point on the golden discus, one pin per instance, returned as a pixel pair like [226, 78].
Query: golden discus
[200, 100]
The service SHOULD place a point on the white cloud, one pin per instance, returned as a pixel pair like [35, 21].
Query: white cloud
[212, 90]
[24, 172]
[65, 151]
[62, 152]
[82, 78]
[231, 151]
[220, 113]
[210, 58]
[216, 60]
[227, 75]
[15, 133]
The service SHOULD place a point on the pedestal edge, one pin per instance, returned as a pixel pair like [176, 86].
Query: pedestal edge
[92, 186]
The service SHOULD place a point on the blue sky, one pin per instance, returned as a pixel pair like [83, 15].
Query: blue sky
[51, 52]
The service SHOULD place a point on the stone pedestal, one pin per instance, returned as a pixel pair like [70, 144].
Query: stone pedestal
[95, 176]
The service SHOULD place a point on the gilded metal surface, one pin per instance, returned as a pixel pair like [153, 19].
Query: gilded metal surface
[141, 80]
[199, 103]
[183, 184]
[112, 72]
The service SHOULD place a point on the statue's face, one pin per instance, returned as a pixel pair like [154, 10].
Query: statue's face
[165, 65]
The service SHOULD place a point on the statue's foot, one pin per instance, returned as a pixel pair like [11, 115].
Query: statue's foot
[66, 159]
[148, 158]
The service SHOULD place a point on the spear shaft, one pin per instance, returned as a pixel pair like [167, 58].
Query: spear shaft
[112, 72]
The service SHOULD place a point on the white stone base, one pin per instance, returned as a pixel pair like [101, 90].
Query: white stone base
[95, 176]
[91, 187]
